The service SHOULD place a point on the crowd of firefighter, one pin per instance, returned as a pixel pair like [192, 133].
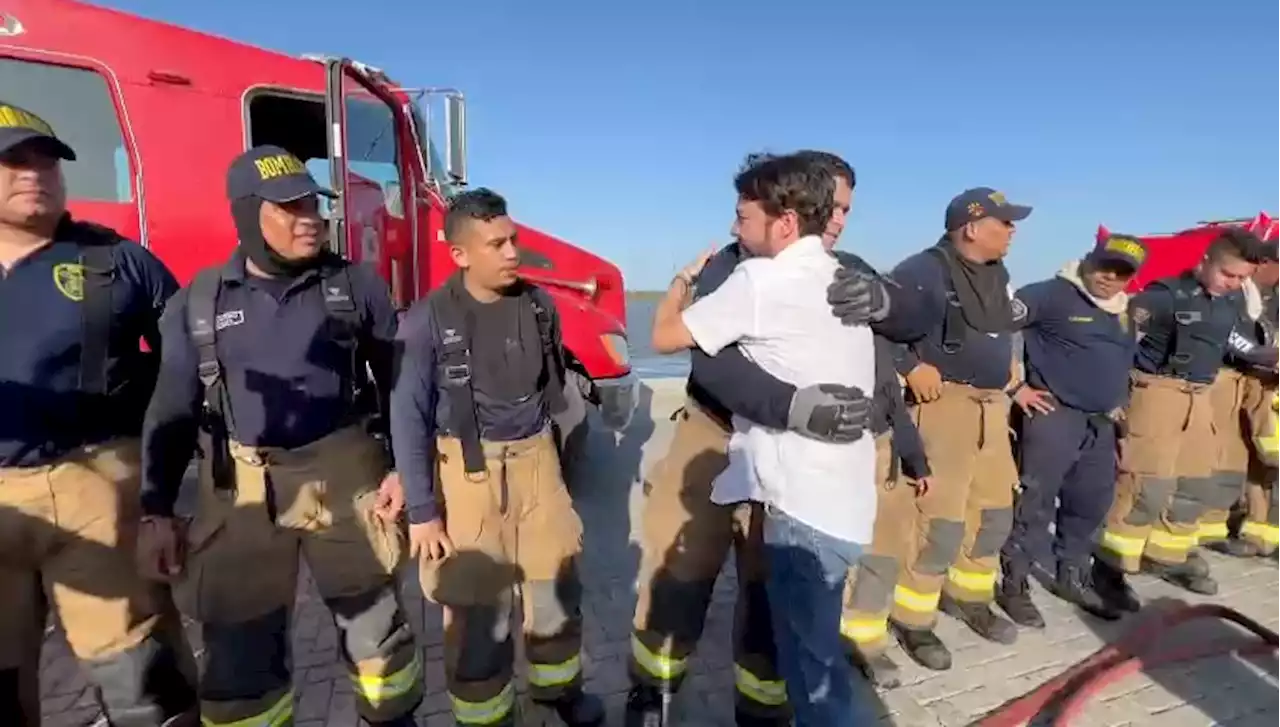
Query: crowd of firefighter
[329, 428]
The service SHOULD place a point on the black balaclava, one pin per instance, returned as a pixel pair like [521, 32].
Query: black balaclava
[246, 213]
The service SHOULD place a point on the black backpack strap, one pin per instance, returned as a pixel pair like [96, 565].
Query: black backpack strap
[1189, 317]
[453, 358]
[341, 307]
[552, 351]
[98, 269]
[953, 324]
[202, 315]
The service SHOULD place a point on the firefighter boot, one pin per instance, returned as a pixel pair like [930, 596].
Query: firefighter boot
[576, 708]
[1192, 575]
[984, 622]
[923, 647]
[1074, 585]
[1014, 596]
[1110, 583]
[1236, 548]
[648, 707]
[879, 669]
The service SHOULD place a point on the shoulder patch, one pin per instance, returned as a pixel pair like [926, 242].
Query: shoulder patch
[1019, 309]
[68, 278]
[1141, 316]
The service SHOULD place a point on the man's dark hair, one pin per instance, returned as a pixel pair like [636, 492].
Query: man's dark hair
[835, 165]
[789, 182]
[481, 204]
[1237, 243]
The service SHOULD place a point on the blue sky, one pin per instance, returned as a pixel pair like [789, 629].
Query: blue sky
[619, 126]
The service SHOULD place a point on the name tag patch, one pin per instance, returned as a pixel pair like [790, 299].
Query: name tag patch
[228, 319]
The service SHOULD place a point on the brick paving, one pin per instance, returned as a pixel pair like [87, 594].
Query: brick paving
[1220, 691]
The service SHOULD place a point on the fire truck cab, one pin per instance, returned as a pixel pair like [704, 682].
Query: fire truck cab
[1173, 253]
[156, 112]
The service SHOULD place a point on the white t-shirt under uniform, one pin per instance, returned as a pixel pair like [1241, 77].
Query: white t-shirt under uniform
[776, 310]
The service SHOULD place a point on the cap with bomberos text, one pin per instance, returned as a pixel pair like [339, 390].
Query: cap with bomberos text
[974, 204]
[271, 173]
[1123, 249]
[20, 126]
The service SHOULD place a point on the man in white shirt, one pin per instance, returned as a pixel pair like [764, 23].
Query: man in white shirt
[820, 497]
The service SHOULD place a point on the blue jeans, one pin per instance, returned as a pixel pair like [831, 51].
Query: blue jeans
[806, 578]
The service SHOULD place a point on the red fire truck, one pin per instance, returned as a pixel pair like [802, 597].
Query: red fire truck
[156, 112]
[1172, 253]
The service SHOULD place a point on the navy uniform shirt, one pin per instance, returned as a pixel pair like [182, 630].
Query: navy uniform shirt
[43, 415]
[1177, 313]
[288, 379]
[983, 360]
[1073, 349]
[507, 377]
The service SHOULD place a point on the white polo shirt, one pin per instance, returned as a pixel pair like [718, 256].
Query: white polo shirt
[776, 310]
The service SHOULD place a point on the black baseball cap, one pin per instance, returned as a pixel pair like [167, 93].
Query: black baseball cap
[271, 173]
[1120, 249]
[19, 126]
[974, 204]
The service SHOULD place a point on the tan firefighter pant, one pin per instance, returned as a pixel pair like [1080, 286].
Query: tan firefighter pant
[686, 540]
[1168, 451]
[1230, 471]
[1255, 519]
[67, 536]
[314, 503]
[963, 520]
[869, 592]
[515, 527]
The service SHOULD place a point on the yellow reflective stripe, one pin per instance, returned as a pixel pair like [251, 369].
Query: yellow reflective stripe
[378, 689]
[661, 667]
[554, 675]
[277, 715]
[1262, 531]
[1171, 541]
[770, 693]
[863, 630]
[1211, 531]
[487, 712]
[915, 600]
[1123, 545]
[976, 581]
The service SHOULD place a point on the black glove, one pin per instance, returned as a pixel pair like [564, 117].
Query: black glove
[830, 413]
[857, 297]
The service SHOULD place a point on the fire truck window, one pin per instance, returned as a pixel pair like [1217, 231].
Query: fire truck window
[77, 104]
[371, 149]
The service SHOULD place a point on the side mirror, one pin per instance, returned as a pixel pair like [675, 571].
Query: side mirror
[455, 137]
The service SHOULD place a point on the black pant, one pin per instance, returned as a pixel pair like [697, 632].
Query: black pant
[1067, 454]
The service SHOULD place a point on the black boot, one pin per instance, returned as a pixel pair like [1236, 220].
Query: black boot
[576, 708]
[1192, 575]
[1075, 585]
[984, 622]
[743, 718]
[879, 670]
[923, 647]
[1236, 548]
[1110, 584]
[403, 721]
[1014, 596]
[648, 707]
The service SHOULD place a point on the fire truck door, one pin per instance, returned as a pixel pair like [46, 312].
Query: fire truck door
[368, 168]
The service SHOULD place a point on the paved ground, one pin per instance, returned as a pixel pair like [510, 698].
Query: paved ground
[1220, 691]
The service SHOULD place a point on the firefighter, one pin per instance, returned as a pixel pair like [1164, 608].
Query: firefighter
[264, 366]
[1167, 448]
[958, 377]
[902, 475]
[481, 374]
[687, 536]
[75, 299]
[1078, 350]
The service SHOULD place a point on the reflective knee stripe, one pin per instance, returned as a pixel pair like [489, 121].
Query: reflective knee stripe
[1262, 531]
[490, 711]
[278, 715]
[555, 675]
[658, 666]
[1171, 542]
[1211, 531]
[865, 630]
[915, 600]
[769, 693]
[975, 581]
[1124, 546]
[378, 689]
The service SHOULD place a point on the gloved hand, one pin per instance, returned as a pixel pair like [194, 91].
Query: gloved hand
[830, 412]
[857, 297]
